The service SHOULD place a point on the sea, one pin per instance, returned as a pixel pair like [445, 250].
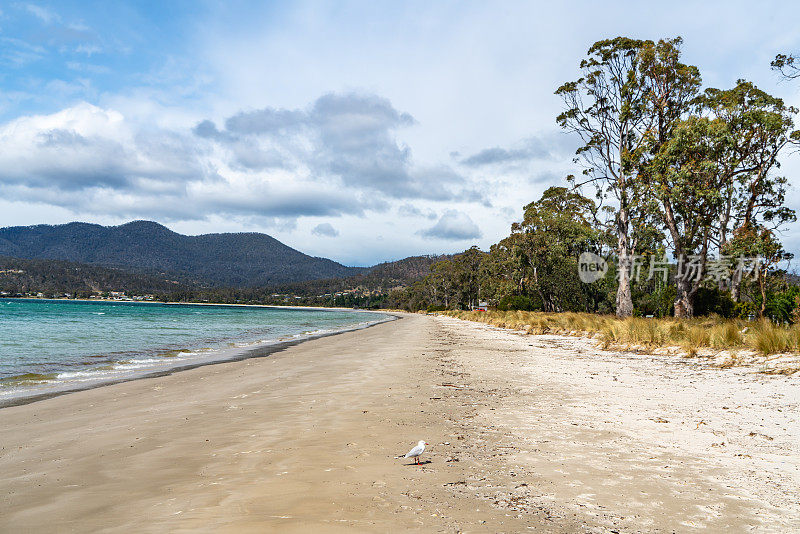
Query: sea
[52, 346]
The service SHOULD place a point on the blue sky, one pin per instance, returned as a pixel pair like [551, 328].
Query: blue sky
[360, 131]
[86, 49]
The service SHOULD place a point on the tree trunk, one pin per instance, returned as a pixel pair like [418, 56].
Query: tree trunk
[624, 298]
[684, 299]
[724, 220]
[762, 285]
[736, 286]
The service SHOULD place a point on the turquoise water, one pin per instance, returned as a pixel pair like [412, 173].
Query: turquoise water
[47, 345]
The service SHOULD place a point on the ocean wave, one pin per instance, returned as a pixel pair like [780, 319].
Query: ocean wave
[28, 379]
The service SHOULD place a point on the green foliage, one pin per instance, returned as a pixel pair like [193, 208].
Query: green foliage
[710, 300]
[516, 302]
[56, 278]
[654, 298]
[546, 244]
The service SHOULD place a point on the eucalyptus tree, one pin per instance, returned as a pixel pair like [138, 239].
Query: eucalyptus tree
[709, 162]
[760, 127]
[500, 273]
[605, 107]
[466, 267]
[685, 181]
[680, 165]
[554, 231]
[441, 282]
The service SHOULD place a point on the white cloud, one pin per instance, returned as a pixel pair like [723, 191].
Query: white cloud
[325, 230]
[348, 137]
[88, 49]
[409, 210]
[45, 15]
[454, 225]
[334, 158]
[88, 147]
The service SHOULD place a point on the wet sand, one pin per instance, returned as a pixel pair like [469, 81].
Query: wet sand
[527, 433]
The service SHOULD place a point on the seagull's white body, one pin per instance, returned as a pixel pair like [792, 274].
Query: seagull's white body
[417, 451]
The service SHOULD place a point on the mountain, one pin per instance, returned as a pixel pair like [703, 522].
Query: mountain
[240, 259]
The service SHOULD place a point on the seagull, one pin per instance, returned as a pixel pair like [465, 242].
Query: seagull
[416, 452]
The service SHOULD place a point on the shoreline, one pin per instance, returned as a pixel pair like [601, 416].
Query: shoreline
[220, 355]
[278, 306]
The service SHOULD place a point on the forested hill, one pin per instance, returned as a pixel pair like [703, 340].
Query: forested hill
[379, 278]
[234, 260]
[60, 278]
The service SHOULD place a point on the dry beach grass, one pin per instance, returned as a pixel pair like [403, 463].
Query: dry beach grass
[775, 348]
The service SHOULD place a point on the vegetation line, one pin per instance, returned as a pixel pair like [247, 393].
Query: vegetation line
[690, 336]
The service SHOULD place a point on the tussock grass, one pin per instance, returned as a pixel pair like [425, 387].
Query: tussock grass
[692, 335]
[726, 335]
[769, 338]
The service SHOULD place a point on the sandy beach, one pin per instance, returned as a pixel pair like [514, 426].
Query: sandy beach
[526, 433]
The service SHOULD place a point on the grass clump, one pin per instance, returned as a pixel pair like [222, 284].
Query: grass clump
[769, 338]
[726, 335]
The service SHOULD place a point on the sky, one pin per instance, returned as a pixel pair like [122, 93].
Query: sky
[359, 131]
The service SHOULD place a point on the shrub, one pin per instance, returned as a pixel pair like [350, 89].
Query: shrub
[515, 302]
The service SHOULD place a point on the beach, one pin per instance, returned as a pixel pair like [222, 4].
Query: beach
[526, 433]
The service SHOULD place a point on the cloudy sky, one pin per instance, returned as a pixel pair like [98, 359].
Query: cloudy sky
[363, 131]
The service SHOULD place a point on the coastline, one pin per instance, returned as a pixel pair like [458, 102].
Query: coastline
[543, 433]
[161, 302]
[213, 357]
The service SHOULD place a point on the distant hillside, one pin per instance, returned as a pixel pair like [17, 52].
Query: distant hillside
[381, 277]
[405, 271]
[58, 277]
[238, 260]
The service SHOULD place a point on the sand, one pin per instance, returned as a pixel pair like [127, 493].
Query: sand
[527, 433]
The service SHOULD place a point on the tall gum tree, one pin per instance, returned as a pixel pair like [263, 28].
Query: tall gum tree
[685, 182]
[679, 166]
[759, 129]
[605, 107]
